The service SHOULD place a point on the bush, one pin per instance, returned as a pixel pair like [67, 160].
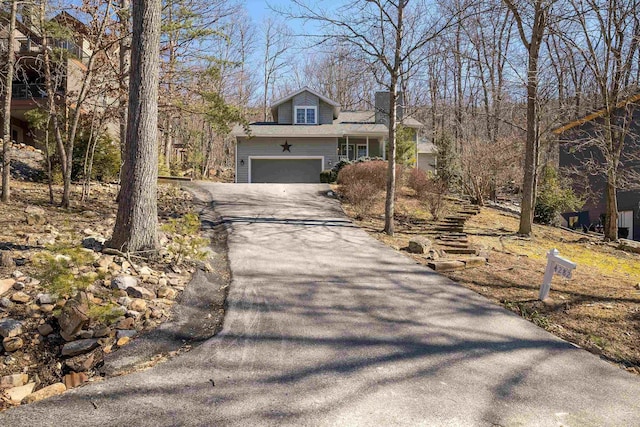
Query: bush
[58, 269]
[418, 181]
[554, 197]
[434, 197]
[106, 159]
[328, 176]
[185, 244]
[361, 184]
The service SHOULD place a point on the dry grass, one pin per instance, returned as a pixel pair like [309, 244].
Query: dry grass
[598, 309]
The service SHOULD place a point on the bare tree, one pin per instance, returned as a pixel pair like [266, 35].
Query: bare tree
[531, 17]
[277, 41]
[137, 219]
[610, 35]
[6, 107]
[391, 36]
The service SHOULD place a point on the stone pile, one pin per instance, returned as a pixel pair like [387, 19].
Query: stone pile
[125, 301]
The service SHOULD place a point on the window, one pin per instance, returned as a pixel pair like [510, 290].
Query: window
[306, 115]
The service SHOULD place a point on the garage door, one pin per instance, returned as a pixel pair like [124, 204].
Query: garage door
[286, 170]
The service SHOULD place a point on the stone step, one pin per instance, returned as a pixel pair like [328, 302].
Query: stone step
[451, 245]
[461, 251]
[446, 265]
[474, 261]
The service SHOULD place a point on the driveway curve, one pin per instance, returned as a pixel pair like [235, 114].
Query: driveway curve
[326, 326]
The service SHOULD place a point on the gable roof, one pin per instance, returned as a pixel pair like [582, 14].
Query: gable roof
[334, 104]
[352, 123]
[595, 115]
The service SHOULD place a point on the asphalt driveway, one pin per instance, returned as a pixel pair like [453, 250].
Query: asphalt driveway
[326, 326]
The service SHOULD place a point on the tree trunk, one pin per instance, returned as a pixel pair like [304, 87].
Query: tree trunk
[6, 110]
[611, 219]
[125, 62]
[137, 219]
[389, 206]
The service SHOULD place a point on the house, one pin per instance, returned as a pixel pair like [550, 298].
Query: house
[28, 89]
[580, 132]
[310, 133]
[427, 159]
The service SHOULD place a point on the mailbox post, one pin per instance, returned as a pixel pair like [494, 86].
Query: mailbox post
[555, 265]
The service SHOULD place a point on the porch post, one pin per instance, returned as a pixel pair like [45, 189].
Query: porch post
[347, 147]
[367, 145]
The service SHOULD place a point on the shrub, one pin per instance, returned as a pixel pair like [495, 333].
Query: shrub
[361, 183]
[185, 243]
[418, 181]
[106, 159]
[105, 314]
[57, 270]
[434, 197]
[328, 176]
[554, 197]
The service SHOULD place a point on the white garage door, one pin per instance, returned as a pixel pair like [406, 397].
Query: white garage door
[285, 170]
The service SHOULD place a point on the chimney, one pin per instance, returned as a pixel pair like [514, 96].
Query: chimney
[382, 101]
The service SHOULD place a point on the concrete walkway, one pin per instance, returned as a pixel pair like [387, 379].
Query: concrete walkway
[326, 326]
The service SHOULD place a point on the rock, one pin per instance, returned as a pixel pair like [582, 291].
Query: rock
[133, 313]
[84, 335]
[166, 292]
[123, 341]
[6, 260]
[10, 327]
[102, 331]
[152, 280]
[6, 302]
[84, 362]
[138, 305]
[95, 243]
[140, 292]
[13, 380]
[18, 286]
[73, 316]
[125, 301]
[162, 281]
[74, 379]
[35, 215]
[129, 333]
[45, 299]
[16, 394]
[125, 323]
[174, 281]
[20, 297]
[43, 393]
[123, 282]
[5, 285]
[47, 308]
[419, 245]
[17, 274]
[74, 348]
[67, 337]
[104, 261]
[12, 344]
[45, 329]
[145, 271]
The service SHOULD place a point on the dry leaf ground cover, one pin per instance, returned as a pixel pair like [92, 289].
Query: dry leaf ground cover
[598, 309]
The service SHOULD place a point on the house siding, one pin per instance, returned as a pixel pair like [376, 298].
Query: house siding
[595, 206]
[325, 113]
[285, 113]
[300, 147]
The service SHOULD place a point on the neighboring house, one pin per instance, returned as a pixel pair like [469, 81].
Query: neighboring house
[29, 90]
[309, 134]
[427, 156]
[580, 131]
